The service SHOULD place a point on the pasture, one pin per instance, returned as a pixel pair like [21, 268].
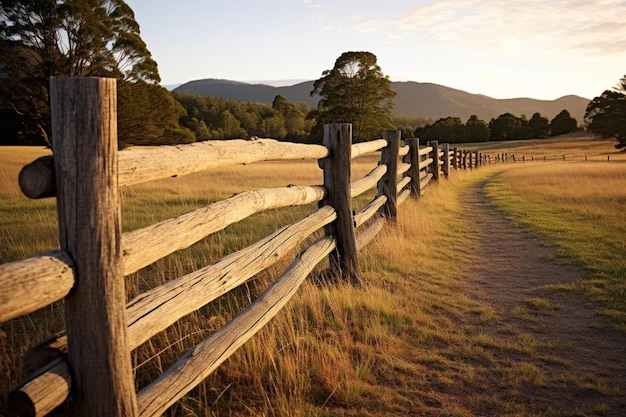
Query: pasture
[412, 339]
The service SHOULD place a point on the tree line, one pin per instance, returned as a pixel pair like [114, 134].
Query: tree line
[504, 127]
[40, 39]
[216, 118]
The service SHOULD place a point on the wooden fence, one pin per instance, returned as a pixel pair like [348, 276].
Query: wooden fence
[87, 271]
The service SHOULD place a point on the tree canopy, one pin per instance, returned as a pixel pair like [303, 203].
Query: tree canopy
[563, 123]
[216, 118]
[354, 91]
[507, 126]
[606, 114]
[40, 39]
[539, 126]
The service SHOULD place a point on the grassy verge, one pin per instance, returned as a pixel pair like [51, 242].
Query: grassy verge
[580, 208]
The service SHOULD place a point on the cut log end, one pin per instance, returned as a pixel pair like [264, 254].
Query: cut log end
[37, 178]
[21, 404]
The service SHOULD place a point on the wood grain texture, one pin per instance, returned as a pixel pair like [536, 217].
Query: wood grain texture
[33, 283]
[369, 211]
[201, 361]
[155, 310]
[36, 179]
[141, 164]
[84, 134]
[144, 246]
[364, 148]
[401, 184]
[337, 168]
[388, 184]
[370, 233]
[39, 396]
[368, 182]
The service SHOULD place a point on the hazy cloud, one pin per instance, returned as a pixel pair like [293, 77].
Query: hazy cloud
[595, 27]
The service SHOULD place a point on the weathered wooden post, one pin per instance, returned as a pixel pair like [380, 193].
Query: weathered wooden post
[337, 169]
[413, 158]
[445, 148]
[84, 133]
[388, 184]
[455, 160]
[434, 168]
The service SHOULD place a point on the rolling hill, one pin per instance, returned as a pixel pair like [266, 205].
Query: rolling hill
[414, 99]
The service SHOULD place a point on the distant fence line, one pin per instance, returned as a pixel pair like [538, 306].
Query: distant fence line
[92, 360]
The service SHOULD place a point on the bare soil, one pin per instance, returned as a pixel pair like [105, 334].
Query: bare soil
[580, 353]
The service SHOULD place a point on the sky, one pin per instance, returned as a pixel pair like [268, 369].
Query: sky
[542, 49]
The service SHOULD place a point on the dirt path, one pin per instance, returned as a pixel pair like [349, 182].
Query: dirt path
[582, 356]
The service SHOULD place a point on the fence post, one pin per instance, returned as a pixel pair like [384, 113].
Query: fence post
[337, 169]
[413, 158]
[434, 168]
[455, 158]
[388, 184]
[445, 147]
[84, 133]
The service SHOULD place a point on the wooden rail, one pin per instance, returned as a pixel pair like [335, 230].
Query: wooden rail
[87, 271]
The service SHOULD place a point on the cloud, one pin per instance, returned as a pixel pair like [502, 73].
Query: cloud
[593, 27]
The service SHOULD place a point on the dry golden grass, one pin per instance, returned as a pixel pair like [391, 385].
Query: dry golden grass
[410, 341]
[575, 147]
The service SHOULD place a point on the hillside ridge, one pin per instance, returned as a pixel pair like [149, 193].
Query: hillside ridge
[414, 99]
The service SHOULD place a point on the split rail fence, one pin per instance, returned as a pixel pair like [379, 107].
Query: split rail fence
[88, 270]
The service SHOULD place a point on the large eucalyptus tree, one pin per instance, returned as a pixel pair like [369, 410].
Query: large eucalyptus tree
[40, 39]
[355, 91]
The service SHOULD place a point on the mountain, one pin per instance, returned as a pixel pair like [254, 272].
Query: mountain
[414, 99]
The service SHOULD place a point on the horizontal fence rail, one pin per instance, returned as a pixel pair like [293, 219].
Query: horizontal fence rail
[28, 285]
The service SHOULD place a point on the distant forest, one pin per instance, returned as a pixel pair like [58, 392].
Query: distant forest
[217, 118]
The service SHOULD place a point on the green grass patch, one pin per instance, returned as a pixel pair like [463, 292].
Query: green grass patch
[581, 211]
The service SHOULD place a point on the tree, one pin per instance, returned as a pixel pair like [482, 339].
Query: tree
[40, 39]
[505, 127]
[448, 129]
[606, 114]
[539, 126]
[563, 123]
[354, 91]
[476, 130]
[141, 119]
[216, 118]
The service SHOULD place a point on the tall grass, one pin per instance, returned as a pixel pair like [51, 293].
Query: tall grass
[410, 341]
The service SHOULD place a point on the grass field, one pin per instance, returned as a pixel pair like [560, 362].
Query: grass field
[405, 342]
